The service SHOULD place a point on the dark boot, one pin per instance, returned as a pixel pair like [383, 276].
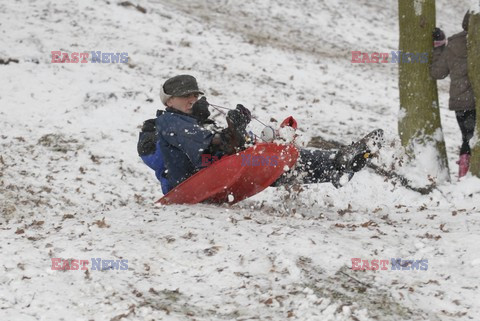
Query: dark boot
[354, 157]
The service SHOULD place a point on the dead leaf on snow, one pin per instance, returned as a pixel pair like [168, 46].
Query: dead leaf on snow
[101, 224]
[211, 250]
[268, 301]
[443, 229]
[369, 223]
[430, 236]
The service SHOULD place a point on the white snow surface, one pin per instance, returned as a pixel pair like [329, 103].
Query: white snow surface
[73, 187]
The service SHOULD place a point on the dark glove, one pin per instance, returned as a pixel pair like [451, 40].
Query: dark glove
[200, 109]
[149, 125]
[147, 139]
[229, 141]
[239, 117]
[245, 111]
[439, 38]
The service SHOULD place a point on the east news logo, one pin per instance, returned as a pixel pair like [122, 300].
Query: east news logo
[98, 264]
[59, 57]
[397, 264]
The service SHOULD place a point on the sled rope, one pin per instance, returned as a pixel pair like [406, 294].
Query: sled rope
[222, 107]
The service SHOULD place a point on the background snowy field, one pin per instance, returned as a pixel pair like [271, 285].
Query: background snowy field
[72, 186]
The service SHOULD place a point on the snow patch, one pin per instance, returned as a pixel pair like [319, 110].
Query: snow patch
[402, 112]
[474, 6]
[286, 134]
[425, 168]
[418, 6]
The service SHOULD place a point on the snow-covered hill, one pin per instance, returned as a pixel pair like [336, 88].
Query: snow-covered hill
[72, 186]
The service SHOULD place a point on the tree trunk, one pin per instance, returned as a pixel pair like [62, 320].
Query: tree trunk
[419, 123]
[473, 46]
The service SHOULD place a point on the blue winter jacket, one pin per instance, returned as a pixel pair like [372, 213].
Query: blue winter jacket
[155, 162]
[182, 141]
[149, 151]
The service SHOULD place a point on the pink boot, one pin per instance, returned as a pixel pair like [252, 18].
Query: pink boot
[463, 164]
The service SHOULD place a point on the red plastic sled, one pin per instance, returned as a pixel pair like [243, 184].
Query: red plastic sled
[236, 177]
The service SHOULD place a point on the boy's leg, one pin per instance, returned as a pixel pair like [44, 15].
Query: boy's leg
[317, 166]
[314, 166]
[337, 167]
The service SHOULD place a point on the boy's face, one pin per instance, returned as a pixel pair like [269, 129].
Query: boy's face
[183, 103]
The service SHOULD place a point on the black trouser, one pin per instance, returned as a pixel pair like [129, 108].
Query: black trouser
[313, 166]
[466, 121]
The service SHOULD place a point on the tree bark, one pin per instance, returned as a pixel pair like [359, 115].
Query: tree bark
[419, 122]
[473, 46]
